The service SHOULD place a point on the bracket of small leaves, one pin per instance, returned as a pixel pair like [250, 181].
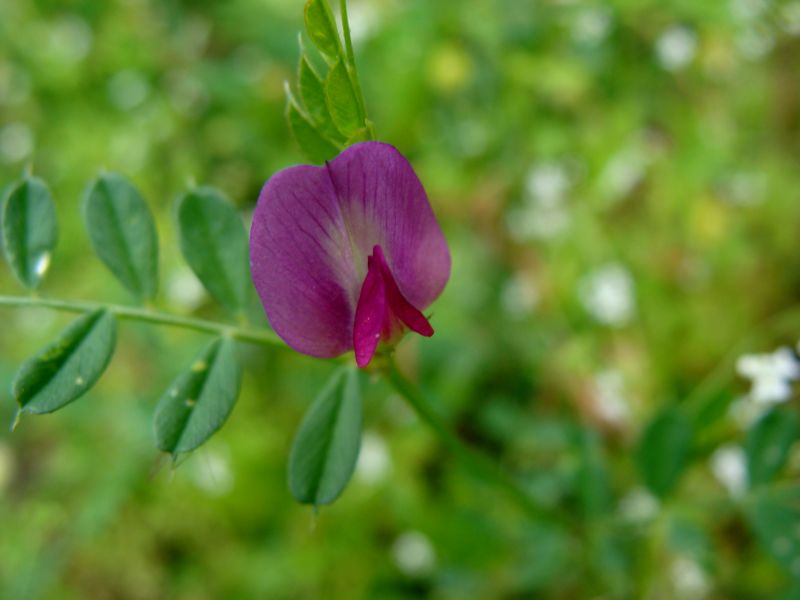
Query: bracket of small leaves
[123, 234]
[328, 113]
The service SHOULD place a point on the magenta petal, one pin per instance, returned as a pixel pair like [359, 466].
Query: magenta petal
[399, 306]
[313, 231]
[370, 315]
[385, 204]
[299, 260]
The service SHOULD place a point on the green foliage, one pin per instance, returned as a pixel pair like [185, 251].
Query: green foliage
[199, 401]
[29, 230]
[68, 368]
[325, 448]
[312, 93]
[664, 450]
[593, 479]
[321, 28]
[342, 100]
[214, 242]
[314, 144]
[684, 176]
[330, 114]
[768, 442]
[775, 519]
[123, 233]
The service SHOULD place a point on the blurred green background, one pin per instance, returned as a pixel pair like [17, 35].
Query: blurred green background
[619, 182]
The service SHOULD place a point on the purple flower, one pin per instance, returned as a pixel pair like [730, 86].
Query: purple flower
[347, 255]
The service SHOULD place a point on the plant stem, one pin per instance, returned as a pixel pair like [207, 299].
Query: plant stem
[475, 461]
[129, 313]
[351, 60]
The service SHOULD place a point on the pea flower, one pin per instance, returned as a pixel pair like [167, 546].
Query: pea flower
[345, 256]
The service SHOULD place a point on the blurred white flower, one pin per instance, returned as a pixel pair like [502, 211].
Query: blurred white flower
[591, 25]
[771, 374]
[747, 10]
[532, 223]
[676, 47]
[638, 505]
[623, 171]
[689, 579]
[70, 38]
[610, 393]
[519, 296]
[211, 472]
[127, 89]
[413, 554]
[790, 18]
[744, 189]
[547, 184]
[607, 294]
[543, 214]
[184, 290]
[730, 468]
[16, 142]
[755, 42]
[374, 463]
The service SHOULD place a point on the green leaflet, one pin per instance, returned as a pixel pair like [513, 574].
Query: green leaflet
[664, 450]
[342, 100]
[199, 401]
[313, 144]
[359, 135]
[774, 516]
[321, 28]
[214, 242]
[325, 448]
[30, 230]
[768, 443]
[69, 367]
[123, 233]
[312, 94]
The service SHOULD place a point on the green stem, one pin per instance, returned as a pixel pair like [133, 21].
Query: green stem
[476, 462]
[351, 60]
[129, 313]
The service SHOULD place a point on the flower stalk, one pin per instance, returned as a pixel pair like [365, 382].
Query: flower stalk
[473, 460]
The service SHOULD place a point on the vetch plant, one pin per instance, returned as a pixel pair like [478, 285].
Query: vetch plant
[347, 257]
[344, 256]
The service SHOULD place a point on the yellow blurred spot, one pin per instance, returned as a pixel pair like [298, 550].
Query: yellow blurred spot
[708, 220]
[450, 68]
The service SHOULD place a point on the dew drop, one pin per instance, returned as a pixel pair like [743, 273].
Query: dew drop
[79, 380]
[190, 403]
[199, 366]
[42, 264]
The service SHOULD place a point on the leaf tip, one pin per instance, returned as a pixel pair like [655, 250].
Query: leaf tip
[15, 422]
